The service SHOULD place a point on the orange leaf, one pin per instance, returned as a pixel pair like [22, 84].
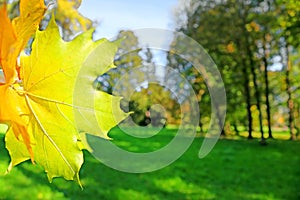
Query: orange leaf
[13, 39]
[15, 112]
[14, 36]
[7, 39]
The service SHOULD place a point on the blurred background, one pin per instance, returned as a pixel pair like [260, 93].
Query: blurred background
[255, 45]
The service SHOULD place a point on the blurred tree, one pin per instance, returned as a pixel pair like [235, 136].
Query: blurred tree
[187, 70]
[245, 38]
[289, 33]
[68, 17]
[148, 99]
[216, 27]
[127, 59]
[136, 79]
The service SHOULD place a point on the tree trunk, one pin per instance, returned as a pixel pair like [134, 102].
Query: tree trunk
[247, 93]
[296, 116]
[248, 100]
[249, 55]
[290, 102]
[201, 126]
[257, 92]
[267, 91]
[235, 128]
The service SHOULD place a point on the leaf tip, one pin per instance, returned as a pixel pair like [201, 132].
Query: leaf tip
[77, 179]
[9, 168]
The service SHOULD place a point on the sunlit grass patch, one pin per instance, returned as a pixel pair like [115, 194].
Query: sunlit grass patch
[235, 169]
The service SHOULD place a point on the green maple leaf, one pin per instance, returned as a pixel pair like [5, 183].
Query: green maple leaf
[56, 77]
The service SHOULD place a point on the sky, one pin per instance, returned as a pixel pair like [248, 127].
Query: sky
[116, 15]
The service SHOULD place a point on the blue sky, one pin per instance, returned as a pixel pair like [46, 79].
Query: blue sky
[115, 15]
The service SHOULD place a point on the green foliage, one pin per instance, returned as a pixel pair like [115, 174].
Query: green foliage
[143, 104]
[245, 38]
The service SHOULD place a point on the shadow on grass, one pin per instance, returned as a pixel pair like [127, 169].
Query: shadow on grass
[235, 169]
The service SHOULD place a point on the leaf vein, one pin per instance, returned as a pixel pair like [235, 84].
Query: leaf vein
[47, 135]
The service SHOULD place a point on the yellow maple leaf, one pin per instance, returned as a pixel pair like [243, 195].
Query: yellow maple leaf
[41, 106]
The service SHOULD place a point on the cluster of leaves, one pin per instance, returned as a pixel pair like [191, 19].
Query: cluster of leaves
[37, 100]
[66, 14]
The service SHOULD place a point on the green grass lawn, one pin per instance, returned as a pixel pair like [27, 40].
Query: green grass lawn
[235, 169]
